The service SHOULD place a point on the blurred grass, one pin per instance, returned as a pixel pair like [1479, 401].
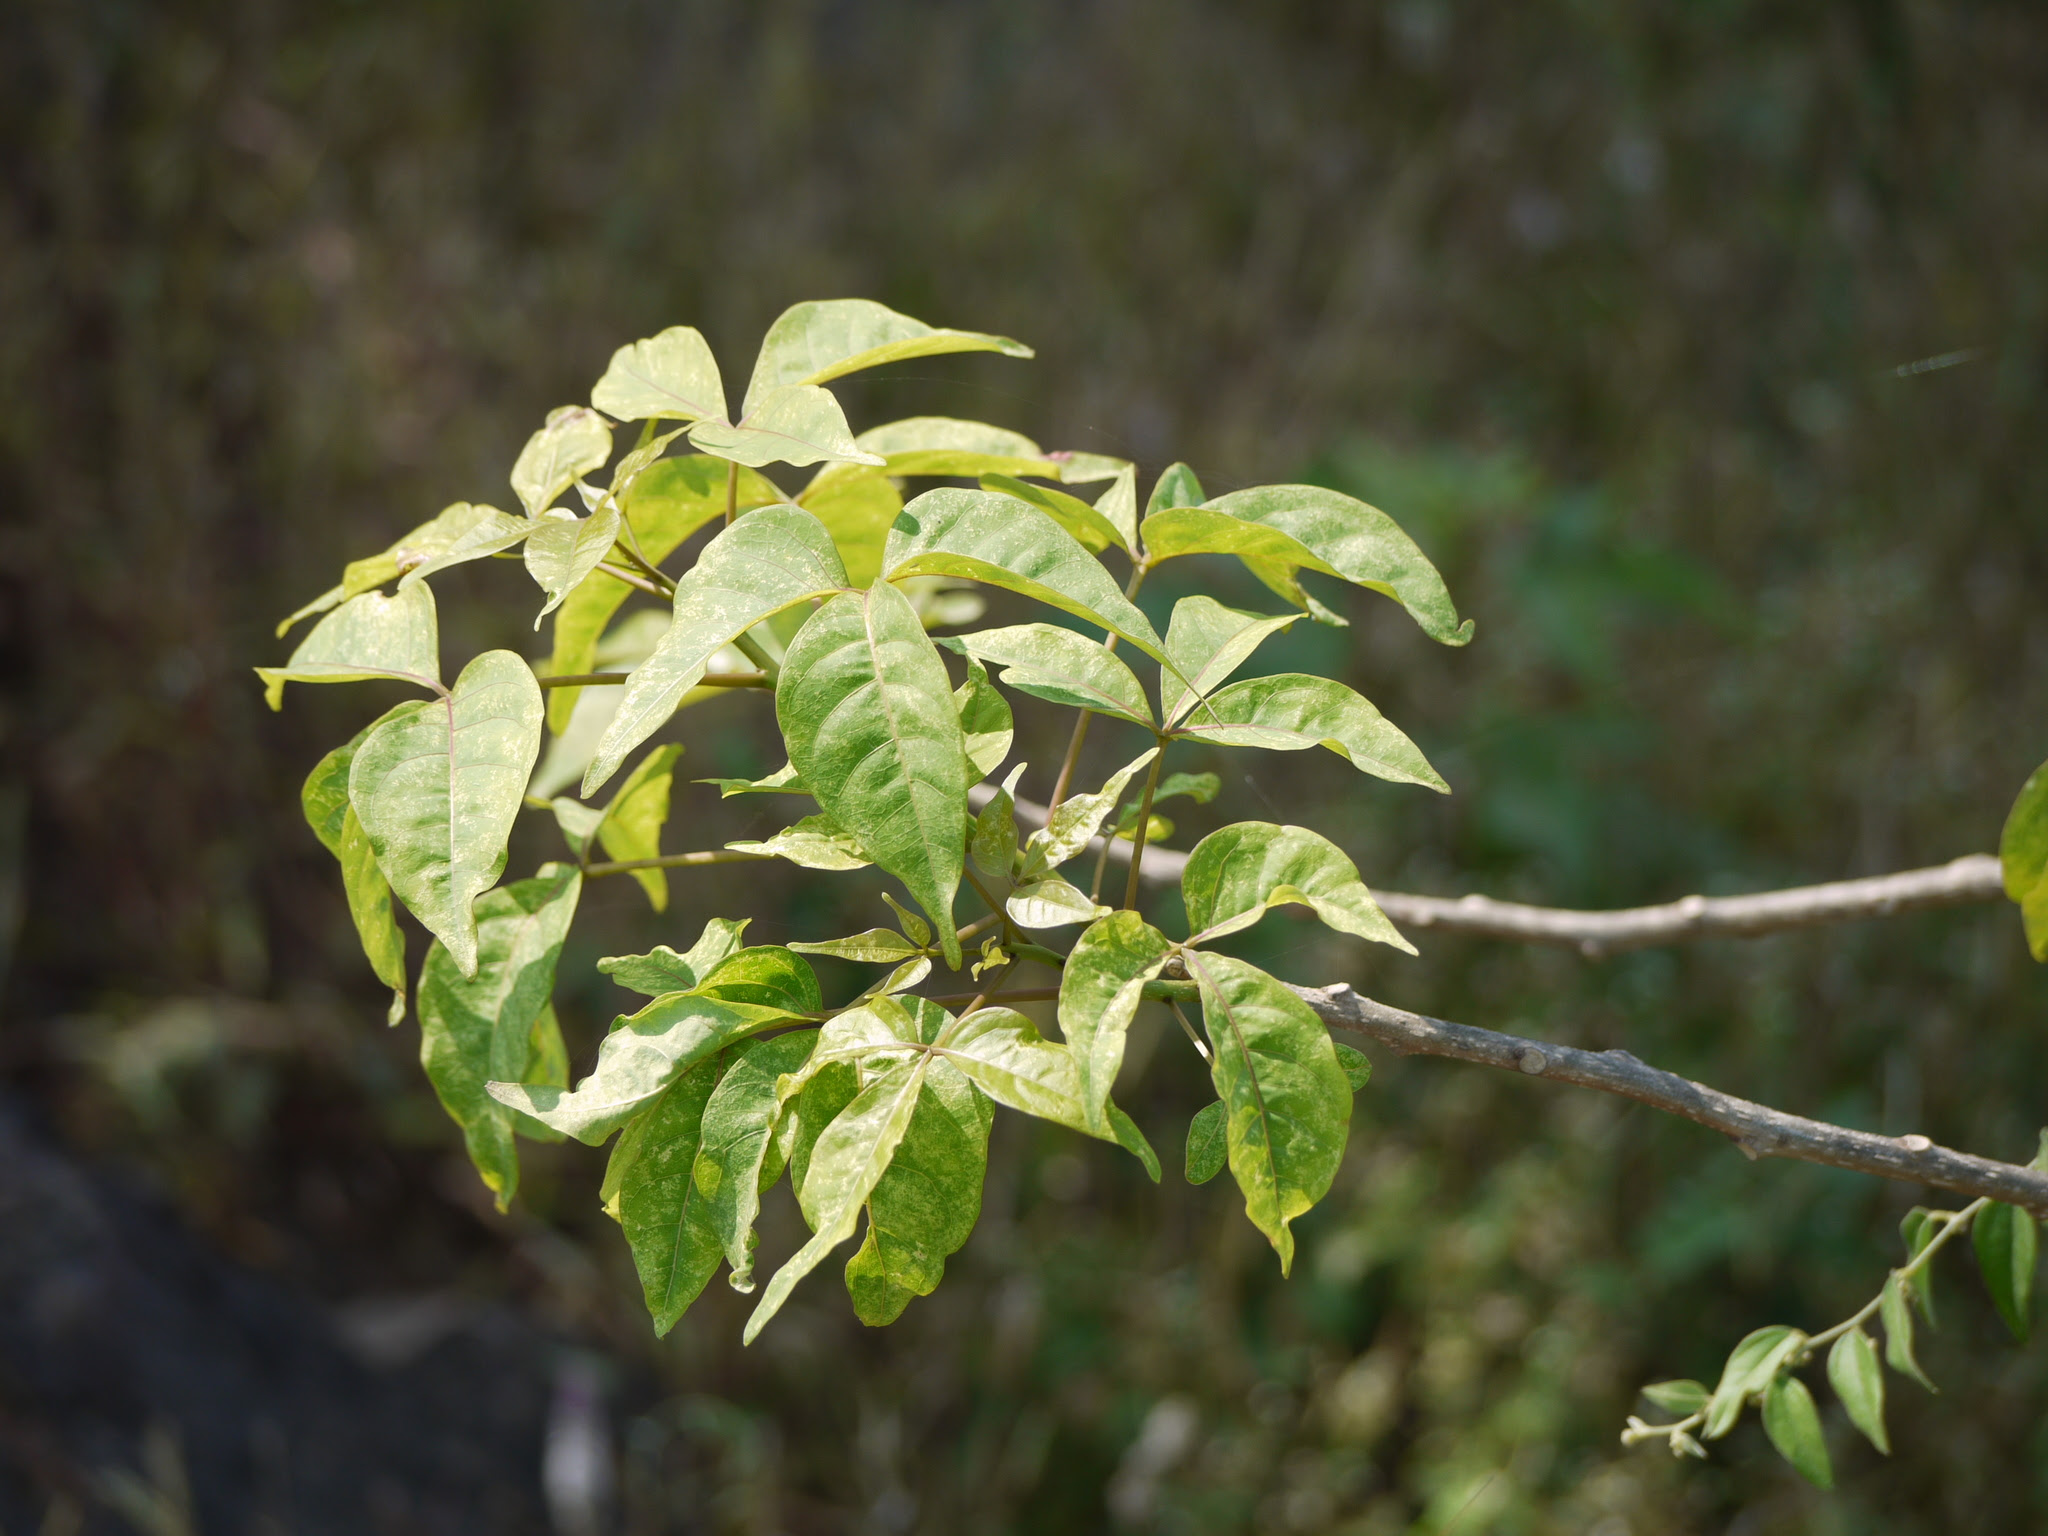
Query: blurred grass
[1606, 302]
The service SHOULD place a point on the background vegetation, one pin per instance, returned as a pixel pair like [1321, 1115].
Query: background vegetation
[1607, 302]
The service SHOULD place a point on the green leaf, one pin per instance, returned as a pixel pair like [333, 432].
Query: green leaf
[1858, 1381]
[985, 722]
[844, 1165]
[631, 828]
[486, 532]
[1050, 901]
[993, 843]
[478, 1026]
[919, 930]
[826, 339]
[797, 424]
[1293, 711]
[438, 786]
[924, 1207]
[877, 946]
[325, 802]
[943, 445]
[671, 376]
[1793, 1424]
[1059, 666]
[2023, 855]
[986, 537]
[664, 971]
[1684, 1398]
[867, 711]
[578, 822]
[416, 549]
[765, 976]
[2005, 1239]
[765, 562]
[1208, 1143]
[1004, 1055]
[1238, 873]
[856, 504]
[1286, 1098]
[737, 1155]
[1917, 1228]
[563, 550]
[368, 636]
[1076, 820]
[1199, 787]
[642, 1055]
[1175, 487]
[1208, 642]
[783, 781]
[1279, 528]
[1117, 506]
[1090, 528]
[663, 507]
[667, 1219]
[1897, 1314]
[1100, 989]
[573, 443]
[816, 842]
[1357, 1069]
[1750, 1367]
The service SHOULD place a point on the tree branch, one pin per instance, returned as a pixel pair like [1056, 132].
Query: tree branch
[1756, 1128]
[1960, 882]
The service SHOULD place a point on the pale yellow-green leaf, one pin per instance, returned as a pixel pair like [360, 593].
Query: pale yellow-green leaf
[1238, 873]
[367, 636]
[672, 376]
[825, 339]
[561, 551]
[797, 424]
[1294, 711]
[816, 842]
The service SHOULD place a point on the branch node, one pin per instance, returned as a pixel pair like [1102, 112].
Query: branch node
[1532, 1061]
[1916, 1143]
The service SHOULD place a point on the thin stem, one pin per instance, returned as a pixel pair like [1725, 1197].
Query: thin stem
[1022, 995]
[1953, 1222]
[1200, 1045]
[1073, 757]
[610, 679]
[657, 577]
[732, 491]
[753, 650]
[1138, 836]
[978, 927]
[630, 579]
[995, 907]
[1101, 866]
[676, 861]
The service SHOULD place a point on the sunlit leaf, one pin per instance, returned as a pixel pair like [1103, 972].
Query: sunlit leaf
[983, 536]
[664, 971]
[1238, 873]
[797, 424]
[1059, 666]
[1175, 487]
[1048, 900]
[1750, 1367]
[562, 551]
[856, 504]
[1858, 1381]
[783, 781]
[672, 376]
[484, 532]
[1294, 711]
[574, 441]
[985, 723]
[1094, 531]
[325, 802]
[737, 1155]
[667, 1220]
[943, 445]
[825, 339]
[1793, 1424]
[366, 637]
[925, 1206]
[438, 785]
[816, 842]
[765, 562]
[765, 976]
[419, 547]
[477, 1027]
[1208, 1143]
[877, 946]
[1208, 642]
[1074, 822]
[2005, 1240]
[1286, 1101]
[867, 711]
[1100, 990]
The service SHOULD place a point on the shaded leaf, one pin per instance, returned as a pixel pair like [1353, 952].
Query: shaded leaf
[985, 723]
[856, 504]
[1858, 1381]
[1286, 1101]
[1793, 1424]
[1237, 873]
[324, 799]
[1059, 666]
[1009, 543]
[1100, 989]
[1004, 1055]
[2005, 1239]
[562, 551]
[1897, 1314]
[667, 1221]
[574, 441]
[1208, 1143]
[797, 424]
[1208, 642]
[671, 376]
[925, 1206]
[2023, 856]
[632, 822]
[1294, 711]
[1089, 527]
[919, 930]
[478, 1027]
[765, 976]
[1684, 1398]
[765, 562]
[867, 711]
[993, 843]
[825, 339]
[1749, 1369]
[438, 785]
[816, 842]
[737, 1157]
[1076, 820]
[1357, 1069]
[368, 636]
[1175, 487]
[1917, 1228]
[485, 532]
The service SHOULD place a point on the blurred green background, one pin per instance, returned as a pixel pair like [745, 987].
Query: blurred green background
[1608, 303]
